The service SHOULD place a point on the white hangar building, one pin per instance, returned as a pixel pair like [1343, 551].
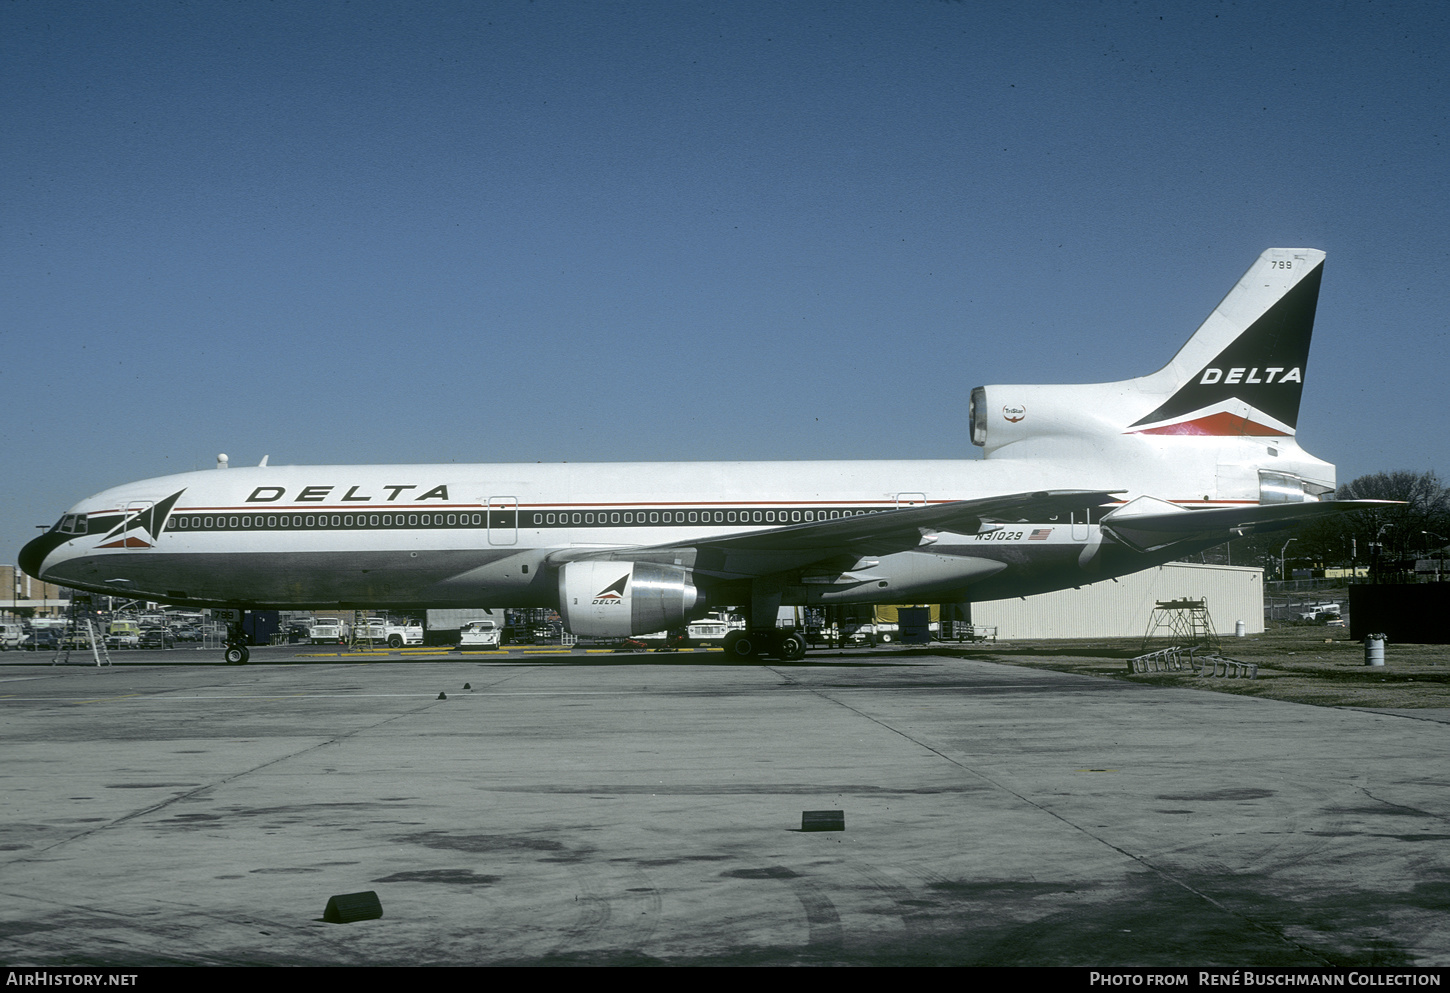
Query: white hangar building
[1123, 609]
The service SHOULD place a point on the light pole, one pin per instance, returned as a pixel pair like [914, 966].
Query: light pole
[1432, 534]
[1283, 576]
[1377, 552]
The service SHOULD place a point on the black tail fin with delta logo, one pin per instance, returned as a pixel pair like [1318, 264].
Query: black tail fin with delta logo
[1242, 372]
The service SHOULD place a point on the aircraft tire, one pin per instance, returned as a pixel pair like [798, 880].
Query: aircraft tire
[237, 655]
[791, 648]
[739, 645]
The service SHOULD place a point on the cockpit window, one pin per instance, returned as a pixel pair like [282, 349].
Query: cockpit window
[72, 524]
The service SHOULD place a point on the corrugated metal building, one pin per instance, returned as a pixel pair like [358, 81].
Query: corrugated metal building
[1122, 609]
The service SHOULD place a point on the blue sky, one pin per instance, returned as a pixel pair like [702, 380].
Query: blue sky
[478, 232]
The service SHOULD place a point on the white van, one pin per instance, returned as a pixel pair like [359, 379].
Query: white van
[11, 635]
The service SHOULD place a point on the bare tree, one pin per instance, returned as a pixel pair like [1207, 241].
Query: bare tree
[1403, 531]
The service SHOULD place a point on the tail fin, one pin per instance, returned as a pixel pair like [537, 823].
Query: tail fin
[1242, 372]
[1215, 425]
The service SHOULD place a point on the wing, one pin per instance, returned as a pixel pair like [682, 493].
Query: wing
[1147, 524]
[757, 553]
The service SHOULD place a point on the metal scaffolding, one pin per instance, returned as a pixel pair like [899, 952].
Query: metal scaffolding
[1182, 622]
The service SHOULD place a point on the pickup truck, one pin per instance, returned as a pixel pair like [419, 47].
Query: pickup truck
[372, 629]
[326, 631]
[400, 633]
[395, 634]
[479, 634]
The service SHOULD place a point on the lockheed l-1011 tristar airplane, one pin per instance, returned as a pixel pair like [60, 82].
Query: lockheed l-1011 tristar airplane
[1079, 484]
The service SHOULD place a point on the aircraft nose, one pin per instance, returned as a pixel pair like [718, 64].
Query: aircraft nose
[32, 556]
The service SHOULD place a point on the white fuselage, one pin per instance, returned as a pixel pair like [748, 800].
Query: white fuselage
[482, 535]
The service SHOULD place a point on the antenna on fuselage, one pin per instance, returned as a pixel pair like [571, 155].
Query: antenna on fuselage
[221, 461]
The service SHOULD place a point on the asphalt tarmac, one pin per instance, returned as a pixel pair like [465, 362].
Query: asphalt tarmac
[631, 809]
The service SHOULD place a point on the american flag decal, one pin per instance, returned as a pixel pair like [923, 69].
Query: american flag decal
[1040, 534]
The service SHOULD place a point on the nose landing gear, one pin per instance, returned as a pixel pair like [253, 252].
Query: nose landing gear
[236, 644]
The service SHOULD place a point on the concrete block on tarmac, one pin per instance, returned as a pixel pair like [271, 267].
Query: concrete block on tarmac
[348, 907]
[823, 820]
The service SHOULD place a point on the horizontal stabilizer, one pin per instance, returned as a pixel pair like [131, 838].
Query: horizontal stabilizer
[1146, 527]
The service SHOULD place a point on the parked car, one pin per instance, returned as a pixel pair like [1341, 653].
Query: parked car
[79, 637]
[42, 640]
[123, 634]
[157, 637]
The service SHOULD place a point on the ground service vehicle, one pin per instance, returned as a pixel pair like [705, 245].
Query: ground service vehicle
[373, 629]
[327, 631]
[399, 634]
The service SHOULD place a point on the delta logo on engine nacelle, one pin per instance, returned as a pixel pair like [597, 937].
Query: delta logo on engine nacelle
[613, 593]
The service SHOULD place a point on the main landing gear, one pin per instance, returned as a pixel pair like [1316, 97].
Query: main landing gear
[788, 646]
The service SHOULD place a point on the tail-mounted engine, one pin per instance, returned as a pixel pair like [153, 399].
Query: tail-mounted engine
[619, 599]
[1047, 420]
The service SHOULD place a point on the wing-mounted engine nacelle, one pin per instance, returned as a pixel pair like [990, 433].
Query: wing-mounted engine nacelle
[619, 599]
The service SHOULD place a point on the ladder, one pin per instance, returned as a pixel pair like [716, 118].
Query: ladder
[98, 644]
